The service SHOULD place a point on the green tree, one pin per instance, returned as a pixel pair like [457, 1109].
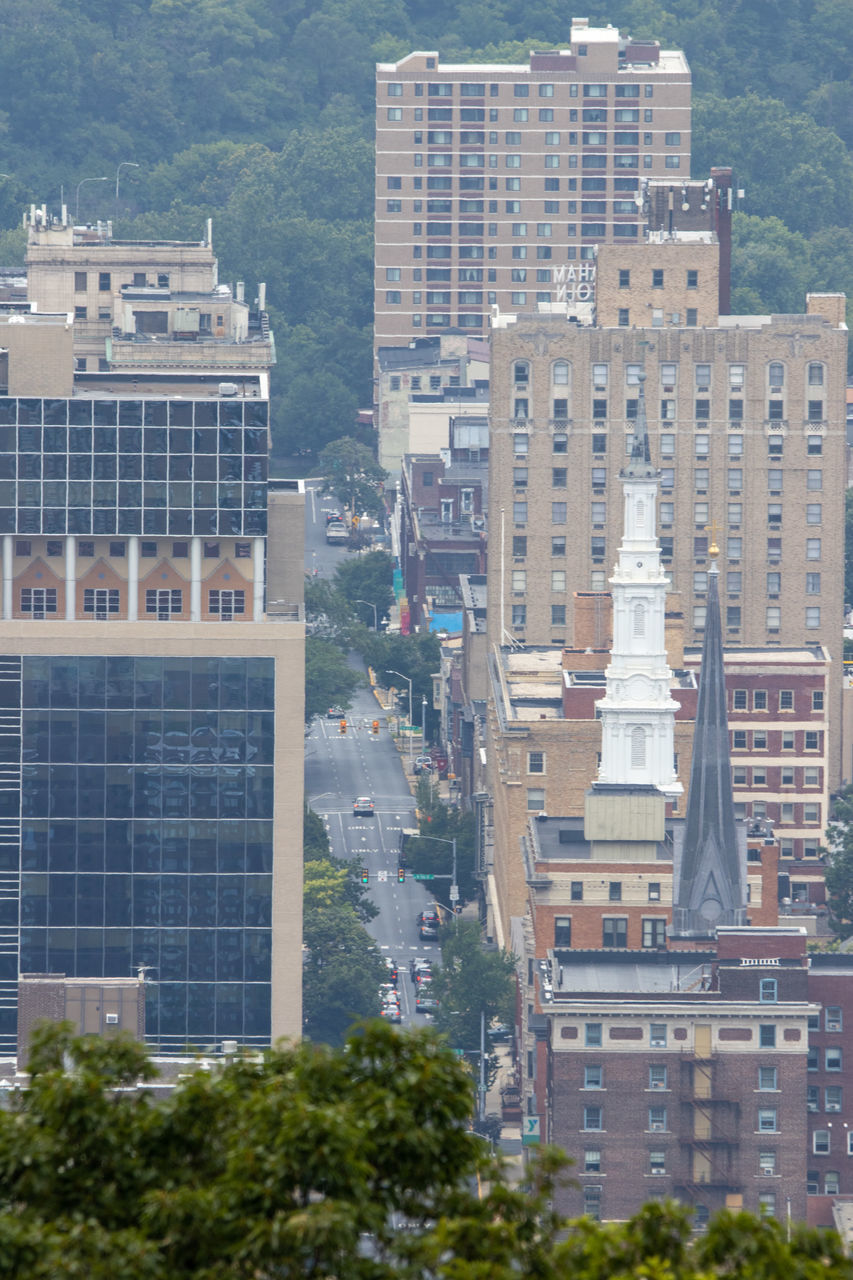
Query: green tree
[351, 473]
[839, 866]
[287, 1164]
[329, 681]
[417, 657]
[434, 856]
[367, 577]
[469, 982]
[342, 970]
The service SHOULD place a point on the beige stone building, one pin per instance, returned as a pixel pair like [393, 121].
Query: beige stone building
[144, 304]
[746, 422]
[491, 177]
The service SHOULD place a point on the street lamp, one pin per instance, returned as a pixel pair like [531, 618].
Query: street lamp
[80, 184]
[125, 164]
[372, 606]
[423, 723]
[454, 887]
[408, 681]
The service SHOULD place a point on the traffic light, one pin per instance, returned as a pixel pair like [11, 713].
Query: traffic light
[365, 876]
[375, 726]
[342, 727]
[401, 875]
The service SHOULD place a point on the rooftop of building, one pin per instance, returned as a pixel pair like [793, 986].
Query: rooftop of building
[472, 588]
[171, 386]
[561, 840]
[738, 655]
[631, 55]
[432, 352]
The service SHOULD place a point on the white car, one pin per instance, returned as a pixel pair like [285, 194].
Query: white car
[362, 807]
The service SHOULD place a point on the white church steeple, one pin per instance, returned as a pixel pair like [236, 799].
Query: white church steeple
[637, 712]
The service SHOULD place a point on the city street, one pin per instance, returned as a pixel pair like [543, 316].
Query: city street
[339, 767]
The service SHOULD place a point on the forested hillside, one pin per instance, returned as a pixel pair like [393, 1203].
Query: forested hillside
[259, 113]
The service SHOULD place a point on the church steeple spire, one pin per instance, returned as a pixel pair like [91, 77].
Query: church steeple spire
[637, 712]
[708, 887]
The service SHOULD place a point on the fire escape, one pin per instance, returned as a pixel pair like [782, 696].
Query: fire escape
[709, 1130]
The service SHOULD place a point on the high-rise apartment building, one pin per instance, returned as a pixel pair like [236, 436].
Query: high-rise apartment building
[746, 425]
[492, 178]
[151, 684]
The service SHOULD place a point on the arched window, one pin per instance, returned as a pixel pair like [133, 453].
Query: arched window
[815, 374]
[639, 619]
[776, 374]
[560, 373]
[638, 747]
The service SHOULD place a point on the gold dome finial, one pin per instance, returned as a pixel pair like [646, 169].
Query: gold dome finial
[713, 550]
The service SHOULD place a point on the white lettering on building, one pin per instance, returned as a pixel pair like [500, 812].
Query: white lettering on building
[575, 283]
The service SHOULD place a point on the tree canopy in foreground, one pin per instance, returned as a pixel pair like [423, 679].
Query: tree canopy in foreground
[356, 1164]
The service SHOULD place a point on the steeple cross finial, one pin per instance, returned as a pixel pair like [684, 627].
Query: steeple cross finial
[713, 550]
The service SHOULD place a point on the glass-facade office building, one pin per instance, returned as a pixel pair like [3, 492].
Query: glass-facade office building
[145, 833]
[133, 466]
[141, 774]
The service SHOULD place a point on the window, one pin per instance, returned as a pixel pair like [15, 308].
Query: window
[593, 1118]
[591, 1195]
[163, 603]
[768, 1078]
[519, 615]
[773, 617]
[38, 602]
[558, 546]
[227, 604]
[101, 602]
[832, 1059]
[657, 1077]
[558, 579]
[657, 277]
[593, 1076]
[654, 933]
[813, 617]
[614, 931]
[592, 1160]
[759, 700]
[562, 931]
[615, 891]
[768, 987]
[813, 588]
[558, 512]
[766, 1204]
[820, 1142]
[657, 1119]
[767, 1163]
[812, 1098]
[767, 1120]
[832, 1017]
[832, 1097]
[558, 477]
[767, 1035]
[519, 580]
[535, 795]
[536, 762]
[814, 480]
[576, 891]
[592, 1035]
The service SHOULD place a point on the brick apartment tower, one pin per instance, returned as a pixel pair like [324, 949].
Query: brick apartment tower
[491, 178]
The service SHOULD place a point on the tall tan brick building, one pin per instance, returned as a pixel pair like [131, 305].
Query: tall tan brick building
[746, 422]
[490, 178]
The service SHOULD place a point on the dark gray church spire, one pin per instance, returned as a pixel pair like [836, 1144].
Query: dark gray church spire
[709, 873]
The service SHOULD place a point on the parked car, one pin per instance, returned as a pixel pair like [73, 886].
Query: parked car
[362, 807]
